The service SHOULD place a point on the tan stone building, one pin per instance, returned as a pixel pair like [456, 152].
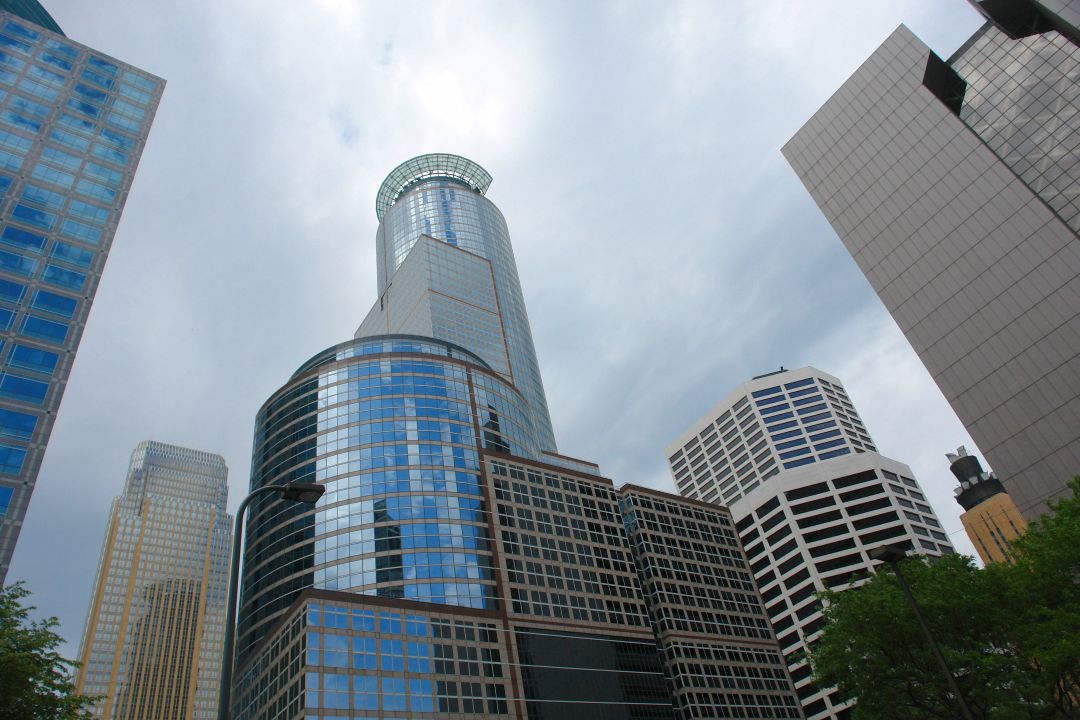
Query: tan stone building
[991, 518]
[154, 629]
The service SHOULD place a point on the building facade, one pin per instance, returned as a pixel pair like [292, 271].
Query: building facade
[73, 124]
[991, 518]
[152, 642]
[810, 497]
[953, 186]
[456, 565]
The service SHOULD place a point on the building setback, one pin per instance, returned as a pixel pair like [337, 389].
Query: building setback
[953, 184]
[810, 496]
[73, 124]
[151, 646]
[456, 566]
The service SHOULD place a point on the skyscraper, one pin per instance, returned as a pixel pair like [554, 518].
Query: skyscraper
[990, 517]
[810, 496]
[73, 124]
[953, 184]
[456, 565]
[152, 642]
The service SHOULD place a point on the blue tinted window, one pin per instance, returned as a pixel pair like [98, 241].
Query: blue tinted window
[61, 158]
[22, 238]
[80, 231]
[43, 196]
[63, 277]
[33, 216]
[52, 175]
[17, 264]
[17, 424]
[33, 359]
[797, 463]
[821, 426]
[799, 383]
[6, 316]
[835, 453]
[44, 329]
[10, 161]
[790, 443]
[72, 254]
[774, 408]
[809, 399]
[822, 436]
[96, 77]
[815, 418]
[794, 453]
[58, 47]
[69, 140]
[5, 183]
[103, 65]
[88, 212]
[17, 29]
[56, 61]
[55, 304]
[38, 90]
[14, 118]
[77, 123]
[811, 408]
[118, 139]
[789, 433]
[95, 191]
[88, 109]
[769, 400]
[104, 152]
[28, 107]
[103, 173]
[11, 141]
[829, 444]
[5, 500]
[781, 426]
[139, 81]
[25, 389]
[11, 459]
[131, 93]
[92, 93]
[123, 121]
[11, 291]
[46, 76]
[781, 416]
[9, 60]
[766, 391]
[13, 44]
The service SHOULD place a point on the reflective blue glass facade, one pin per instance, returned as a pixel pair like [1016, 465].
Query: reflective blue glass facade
[393, 427]
[73, 123]
[442, 200]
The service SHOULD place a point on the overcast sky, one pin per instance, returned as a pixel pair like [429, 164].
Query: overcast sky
[666, 250]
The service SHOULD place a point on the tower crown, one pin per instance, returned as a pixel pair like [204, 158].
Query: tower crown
[433, 166]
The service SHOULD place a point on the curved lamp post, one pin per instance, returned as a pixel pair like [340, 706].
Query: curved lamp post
[308, 493]
[893, 554]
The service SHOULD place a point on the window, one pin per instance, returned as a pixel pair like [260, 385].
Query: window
[63, 278]
[21, 388]
[56, 304]
[32, 358]
[16, 424]
[11, 459]
[44, 329]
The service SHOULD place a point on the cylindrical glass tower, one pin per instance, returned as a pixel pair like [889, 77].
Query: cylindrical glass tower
[442, 196]
[393, 426]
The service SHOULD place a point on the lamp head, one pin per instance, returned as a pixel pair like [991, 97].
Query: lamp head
[888, 553]
[303, 492]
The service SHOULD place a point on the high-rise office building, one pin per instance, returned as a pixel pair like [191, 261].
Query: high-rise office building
[73, 123]
[953, 184]
[810, 496]
[152, 642]
[990, 517]
[456, 566]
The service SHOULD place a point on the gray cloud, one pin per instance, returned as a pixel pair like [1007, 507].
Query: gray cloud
[666, 250]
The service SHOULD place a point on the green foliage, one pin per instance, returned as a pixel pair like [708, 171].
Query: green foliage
[1009, 633]
[35, 682]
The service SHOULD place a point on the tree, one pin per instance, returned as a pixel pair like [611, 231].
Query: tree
[35, 681]
[1009, 633]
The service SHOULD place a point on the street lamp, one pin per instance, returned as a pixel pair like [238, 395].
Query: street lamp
[893, 554]
[308, 493]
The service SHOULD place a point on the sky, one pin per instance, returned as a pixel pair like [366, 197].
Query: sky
[666, 250]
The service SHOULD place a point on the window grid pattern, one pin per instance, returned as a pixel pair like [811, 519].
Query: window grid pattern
[708, 617]
[72, 127]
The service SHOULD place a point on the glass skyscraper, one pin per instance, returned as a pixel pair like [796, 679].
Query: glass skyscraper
[456, 565]
[73, 123]
[954, 186]
[151, 647]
